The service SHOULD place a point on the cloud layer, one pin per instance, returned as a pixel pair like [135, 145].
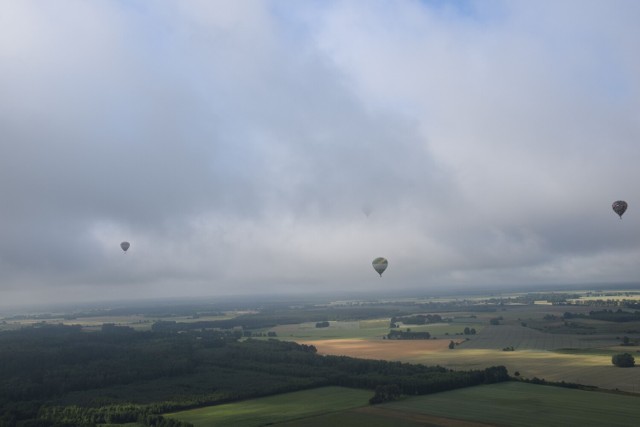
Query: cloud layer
[268, 146]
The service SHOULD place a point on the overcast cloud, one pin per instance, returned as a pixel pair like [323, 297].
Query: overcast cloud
[258, 146]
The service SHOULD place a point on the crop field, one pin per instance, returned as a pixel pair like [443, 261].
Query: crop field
[276, 409]
[512, 403]
[589, 367]
[336, 330]
[603, 327]
[404, 350]
[519, 404]
[519, 313]
[582, 354]
[444, 330]
[501, 336]
[376, 416]
[367, 329]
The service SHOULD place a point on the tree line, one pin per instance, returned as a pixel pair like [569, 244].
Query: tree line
[418, 319]
[408, 335]
[618, 315]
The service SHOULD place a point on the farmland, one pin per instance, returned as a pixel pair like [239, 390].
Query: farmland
[546, 351]
[518, 404]
[97, 363]
[275, 409]
[512, 403]
[583, 368]
[62, 375]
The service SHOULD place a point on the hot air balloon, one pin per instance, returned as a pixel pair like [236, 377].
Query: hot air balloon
[367, 209]
[125, 246]
[619, 207]
[380, 265]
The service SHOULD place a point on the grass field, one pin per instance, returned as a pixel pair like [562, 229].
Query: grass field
[369, 329]
[512, 404]
[276, 409]
[375, 416]
[336, 330]
[519, 404]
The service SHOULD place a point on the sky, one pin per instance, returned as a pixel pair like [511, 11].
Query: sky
[252, 147]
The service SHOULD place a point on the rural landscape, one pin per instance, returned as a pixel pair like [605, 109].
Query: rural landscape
[462, 360]
[382, 213]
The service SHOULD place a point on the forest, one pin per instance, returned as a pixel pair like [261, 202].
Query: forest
[56, 375]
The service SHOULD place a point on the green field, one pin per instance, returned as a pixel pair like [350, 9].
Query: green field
[519, 404]
[365, 417]
[275, 409]
[336, 330]
[365, 329]
[444, 330]
[512, 404]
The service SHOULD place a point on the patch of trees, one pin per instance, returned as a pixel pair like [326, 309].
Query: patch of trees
[495, 320]
[418, 319]
[626, 341]
[324, 324]
[61, 376]
[408, 335]
[117, 414]
[633, 305]
[457, 306]
[469, 331]
[252, 334]
[624, 360]
[385, 393]
[606, 315]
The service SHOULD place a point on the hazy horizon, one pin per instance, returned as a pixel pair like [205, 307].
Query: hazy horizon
[235, 301]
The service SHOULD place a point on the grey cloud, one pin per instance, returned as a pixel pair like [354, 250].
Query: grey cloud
[236, 145]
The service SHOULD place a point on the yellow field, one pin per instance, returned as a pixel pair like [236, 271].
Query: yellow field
[595, 370]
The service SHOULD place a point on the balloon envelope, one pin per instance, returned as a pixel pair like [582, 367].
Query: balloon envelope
[125, 246]
[619, 207]
[380, 265]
